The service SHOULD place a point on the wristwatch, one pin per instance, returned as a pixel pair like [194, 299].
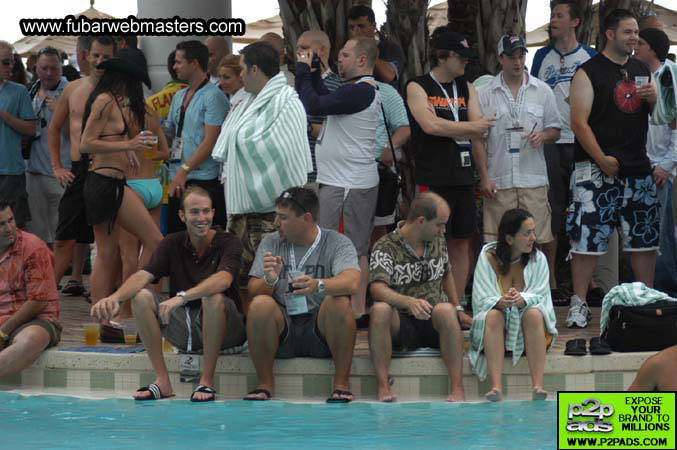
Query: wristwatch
[320, 286]
[185, 167]
[183, 295]
[460, 308]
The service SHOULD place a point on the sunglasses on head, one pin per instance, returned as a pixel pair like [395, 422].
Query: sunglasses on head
[289, 196]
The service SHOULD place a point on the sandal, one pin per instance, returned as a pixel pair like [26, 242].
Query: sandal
[155, 393]
[206, 390]
[598, 346]
[265, 392]
[339, 396]
[576, 347]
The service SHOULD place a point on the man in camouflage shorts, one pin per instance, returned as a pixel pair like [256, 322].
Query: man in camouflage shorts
[250, 229]
[416, 304]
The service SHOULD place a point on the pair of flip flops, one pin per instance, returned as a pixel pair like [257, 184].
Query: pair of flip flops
[577, 347]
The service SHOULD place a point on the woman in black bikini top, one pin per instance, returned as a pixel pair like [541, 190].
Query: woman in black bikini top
[114, 112]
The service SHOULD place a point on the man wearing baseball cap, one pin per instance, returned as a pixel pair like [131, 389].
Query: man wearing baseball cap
[446, 116]
[652, 49]
[511, 161]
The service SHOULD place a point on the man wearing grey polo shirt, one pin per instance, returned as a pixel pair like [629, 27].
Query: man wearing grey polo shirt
[511, 161]
[196, 115]
[44, 190]
[16, 119]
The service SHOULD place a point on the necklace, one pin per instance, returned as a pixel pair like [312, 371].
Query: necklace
[515, 261]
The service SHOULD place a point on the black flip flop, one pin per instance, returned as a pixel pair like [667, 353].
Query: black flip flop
[206, 390]
[598, 346]
[155, 393]
[257, 391]
[338, 399]
[576, 347]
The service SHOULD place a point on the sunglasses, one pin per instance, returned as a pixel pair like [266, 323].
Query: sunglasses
[7, 62]
[289, 196]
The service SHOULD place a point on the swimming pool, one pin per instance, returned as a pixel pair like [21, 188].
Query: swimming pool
[51, 422]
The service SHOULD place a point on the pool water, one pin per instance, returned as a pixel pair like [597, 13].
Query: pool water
[51, 422]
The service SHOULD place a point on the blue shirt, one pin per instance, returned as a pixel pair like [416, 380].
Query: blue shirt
[15, 100]
[40, 161]
[208, 107]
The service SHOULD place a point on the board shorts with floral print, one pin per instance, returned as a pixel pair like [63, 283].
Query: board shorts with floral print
[603, 203]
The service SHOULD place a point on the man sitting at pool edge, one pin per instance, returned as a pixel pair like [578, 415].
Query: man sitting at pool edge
[29, 301]
[202, 264]
[416, 304]
[301, 307]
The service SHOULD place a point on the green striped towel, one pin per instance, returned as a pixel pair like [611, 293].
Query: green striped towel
[264, 147]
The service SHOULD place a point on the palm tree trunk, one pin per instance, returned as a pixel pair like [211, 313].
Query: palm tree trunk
[584, 31]
[406, 26]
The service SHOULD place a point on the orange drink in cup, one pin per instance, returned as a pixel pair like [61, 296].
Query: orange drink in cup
[92, 331]
[129, 328]
[150, 153]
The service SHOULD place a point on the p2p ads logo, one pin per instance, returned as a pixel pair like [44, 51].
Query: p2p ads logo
[616, 420]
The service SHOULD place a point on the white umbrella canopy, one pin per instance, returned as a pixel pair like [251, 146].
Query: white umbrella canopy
[32, 44]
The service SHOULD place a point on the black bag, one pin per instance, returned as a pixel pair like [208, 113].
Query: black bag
[643, 328]
[388, 181]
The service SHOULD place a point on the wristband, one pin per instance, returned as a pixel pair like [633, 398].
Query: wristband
[270, 284]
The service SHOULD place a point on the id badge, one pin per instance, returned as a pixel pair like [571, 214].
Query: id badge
[320, 135]
[296, 304]
[515, 141]
[176, 151]
[583, 171]
[465, 159]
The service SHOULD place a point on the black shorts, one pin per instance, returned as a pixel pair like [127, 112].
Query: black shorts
[13, 191]
[462, 222]
[415, 334]
[103, 198]
[302, 337]
[72, 212]
[215, 189]
[559, 160]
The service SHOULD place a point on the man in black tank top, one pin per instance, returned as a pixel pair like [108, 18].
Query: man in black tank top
[612, 187]
[445, 115]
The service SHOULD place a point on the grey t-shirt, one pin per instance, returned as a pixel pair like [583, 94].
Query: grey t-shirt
[333, 254]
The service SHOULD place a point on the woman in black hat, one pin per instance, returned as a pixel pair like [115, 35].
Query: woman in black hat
[115, 118]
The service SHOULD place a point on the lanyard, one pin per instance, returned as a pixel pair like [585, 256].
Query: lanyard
[185, 105]
[516, 105]
[452, 106]
[292, 257]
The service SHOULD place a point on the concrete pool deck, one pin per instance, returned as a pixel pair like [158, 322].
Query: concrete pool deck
[415, 378]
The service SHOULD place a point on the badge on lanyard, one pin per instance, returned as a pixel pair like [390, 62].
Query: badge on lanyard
[176, 152]
[583, 171]
[296, 304]
[515, 141]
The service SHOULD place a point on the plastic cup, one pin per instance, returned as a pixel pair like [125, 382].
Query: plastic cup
[129, 328]
[92, 331]
[292, 275]
[641, 81]
[167, 346]
[151, 138]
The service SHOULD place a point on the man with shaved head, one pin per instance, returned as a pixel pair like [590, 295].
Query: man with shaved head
[317, 42]
[277, 42]
[218, 48]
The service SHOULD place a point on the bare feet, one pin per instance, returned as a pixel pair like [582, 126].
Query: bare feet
[494, 395]
[539, 393]
[457, 395]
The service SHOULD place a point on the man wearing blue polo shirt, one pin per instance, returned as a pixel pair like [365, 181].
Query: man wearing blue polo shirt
[196, 115]
[16, 119]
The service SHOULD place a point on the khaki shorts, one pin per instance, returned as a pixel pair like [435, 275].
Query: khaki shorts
[52, 328]
[534, 200]
[250, 230]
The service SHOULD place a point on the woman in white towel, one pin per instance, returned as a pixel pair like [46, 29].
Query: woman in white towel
[511, 304]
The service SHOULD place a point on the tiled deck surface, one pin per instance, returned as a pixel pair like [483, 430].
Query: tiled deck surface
[307, 379]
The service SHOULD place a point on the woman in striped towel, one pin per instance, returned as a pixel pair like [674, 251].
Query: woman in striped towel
[511, 304]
